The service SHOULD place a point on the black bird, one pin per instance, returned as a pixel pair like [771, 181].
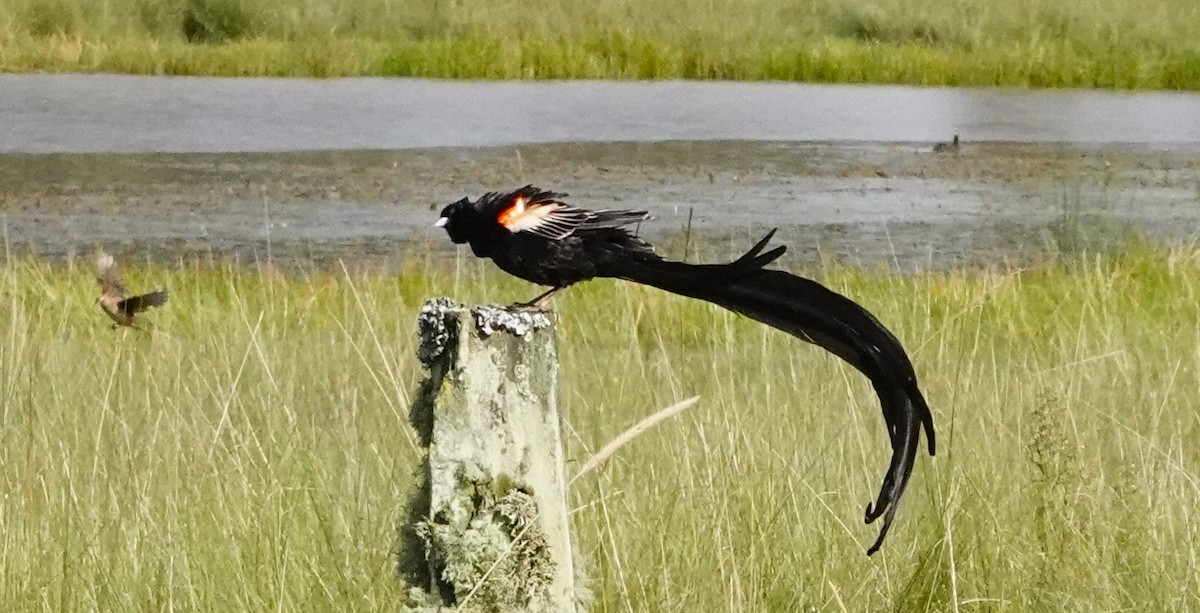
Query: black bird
[531, 234]
[950, 147]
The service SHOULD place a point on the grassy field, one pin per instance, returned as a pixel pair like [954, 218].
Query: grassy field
[253, 453]
[1038, 43]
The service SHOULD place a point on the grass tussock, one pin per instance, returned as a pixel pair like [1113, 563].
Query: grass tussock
[1027, 43]
[253, 453]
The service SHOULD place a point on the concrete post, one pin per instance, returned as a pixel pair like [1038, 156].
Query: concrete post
[488, 527]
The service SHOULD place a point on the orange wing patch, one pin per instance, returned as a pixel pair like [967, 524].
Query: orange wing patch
[522, 216]
[512, 213]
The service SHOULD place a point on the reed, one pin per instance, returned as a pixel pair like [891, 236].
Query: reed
[1026, 43]
[252, 452]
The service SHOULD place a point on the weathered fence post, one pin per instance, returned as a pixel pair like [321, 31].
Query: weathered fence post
[488, 527]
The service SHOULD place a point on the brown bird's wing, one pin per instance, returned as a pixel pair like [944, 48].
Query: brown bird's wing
[136, 304]
[109, 277]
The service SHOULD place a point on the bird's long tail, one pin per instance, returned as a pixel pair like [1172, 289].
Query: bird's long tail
[813, 313]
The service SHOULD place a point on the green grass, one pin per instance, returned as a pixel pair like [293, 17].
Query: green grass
[1037, 43]
[254, 452]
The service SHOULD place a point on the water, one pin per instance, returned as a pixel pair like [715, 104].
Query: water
[897, 205]
[111, 113]
[160, 167]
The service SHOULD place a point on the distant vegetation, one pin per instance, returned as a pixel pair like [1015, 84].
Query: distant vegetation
[1036, 43]
[253, 453]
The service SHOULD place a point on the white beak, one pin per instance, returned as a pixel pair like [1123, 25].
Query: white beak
[441, 222]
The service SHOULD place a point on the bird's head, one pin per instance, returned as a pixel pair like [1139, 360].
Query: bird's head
[456, 220]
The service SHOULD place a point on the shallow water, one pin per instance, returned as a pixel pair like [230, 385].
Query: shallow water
[898, 206]
[354, 169]
[112, 113]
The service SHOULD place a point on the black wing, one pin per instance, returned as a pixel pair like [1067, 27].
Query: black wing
[136, 304]
[543, 214]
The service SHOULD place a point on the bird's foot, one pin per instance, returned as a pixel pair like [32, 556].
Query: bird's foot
[535, 306]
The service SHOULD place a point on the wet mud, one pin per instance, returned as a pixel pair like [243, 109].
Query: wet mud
[896, 205]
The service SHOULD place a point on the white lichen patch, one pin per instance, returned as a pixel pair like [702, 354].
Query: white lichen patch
[498, 558]
[434, 332]
[490, 319]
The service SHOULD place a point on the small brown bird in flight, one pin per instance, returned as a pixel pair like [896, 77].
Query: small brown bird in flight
[121, 309]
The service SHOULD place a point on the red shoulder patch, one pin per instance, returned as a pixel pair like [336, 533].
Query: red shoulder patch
[513, 212]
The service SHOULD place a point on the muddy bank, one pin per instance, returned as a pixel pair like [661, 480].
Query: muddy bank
[899, 205]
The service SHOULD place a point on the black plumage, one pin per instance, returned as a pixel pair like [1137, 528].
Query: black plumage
[530, 233]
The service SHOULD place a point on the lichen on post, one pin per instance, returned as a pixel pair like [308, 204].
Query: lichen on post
[488, 526]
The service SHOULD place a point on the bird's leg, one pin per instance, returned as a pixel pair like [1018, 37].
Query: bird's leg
[536, 303]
